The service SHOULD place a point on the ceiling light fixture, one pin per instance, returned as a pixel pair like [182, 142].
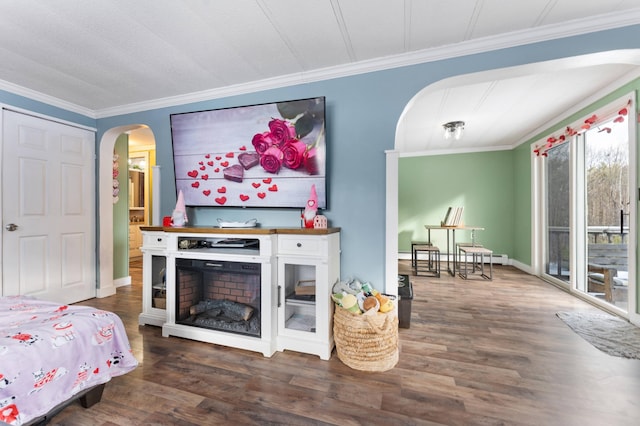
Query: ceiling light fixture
[453, 129]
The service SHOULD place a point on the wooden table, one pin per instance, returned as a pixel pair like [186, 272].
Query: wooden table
[453, 230]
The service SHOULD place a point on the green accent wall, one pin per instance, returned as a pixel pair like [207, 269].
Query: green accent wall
[121, 212]
[522, 205]
[495, 189]
[482, 183]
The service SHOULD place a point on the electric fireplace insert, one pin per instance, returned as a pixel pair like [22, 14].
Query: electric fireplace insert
[219, 295]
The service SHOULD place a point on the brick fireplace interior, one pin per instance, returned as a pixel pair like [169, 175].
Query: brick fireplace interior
[221, 296]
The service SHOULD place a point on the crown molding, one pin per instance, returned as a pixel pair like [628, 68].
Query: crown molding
[454, 151]
[501, 41]
[480, 45]
[47, 99]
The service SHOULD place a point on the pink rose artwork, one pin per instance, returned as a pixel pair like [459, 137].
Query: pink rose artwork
[293, 152]
[311, 161]
[271, 160]
[262, 141]
[281, 131]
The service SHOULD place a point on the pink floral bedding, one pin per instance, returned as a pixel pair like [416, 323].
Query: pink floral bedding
[50, 352]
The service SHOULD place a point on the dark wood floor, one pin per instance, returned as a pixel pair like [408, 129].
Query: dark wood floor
[476, 353]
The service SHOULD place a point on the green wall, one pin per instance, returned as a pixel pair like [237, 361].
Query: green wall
[522, 207]
[482, 183]
[494, 188]
[121, 212]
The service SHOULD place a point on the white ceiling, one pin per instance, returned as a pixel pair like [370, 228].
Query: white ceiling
[105, 57]
[503, 108]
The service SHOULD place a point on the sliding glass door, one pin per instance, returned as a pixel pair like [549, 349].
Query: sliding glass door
[606, 213]
[586, 212]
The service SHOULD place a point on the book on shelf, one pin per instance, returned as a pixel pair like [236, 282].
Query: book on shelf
[453, 217]
[446, 217]
[458, 220]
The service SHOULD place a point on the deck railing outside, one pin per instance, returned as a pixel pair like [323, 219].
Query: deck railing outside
[607, 247]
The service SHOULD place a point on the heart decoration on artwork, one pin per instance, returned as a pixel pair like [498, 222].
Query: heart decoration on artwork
[230, 172]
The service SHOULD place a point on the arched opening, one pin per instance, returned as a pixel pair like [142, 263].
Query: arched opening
[491, 103]
[105, 207]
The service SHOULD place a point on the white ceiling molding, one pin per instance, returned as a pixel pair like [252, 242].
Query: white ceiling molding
[452, 151]
[576, 27]
[72, 77]
[49, 100]
[485, 44]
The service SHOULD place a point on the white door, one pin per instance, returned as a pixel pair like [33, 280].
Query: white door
[48, 205]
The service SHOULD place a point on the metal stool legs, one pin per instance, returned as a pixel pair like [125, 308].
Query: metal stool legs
[476, 252]
[429, 266]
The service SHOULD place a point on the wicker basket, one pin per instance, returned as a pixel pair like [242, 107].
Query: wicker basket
[366, 342]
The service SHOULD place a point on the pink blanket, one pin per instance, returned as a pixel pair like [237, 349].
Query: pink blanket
[50, 352]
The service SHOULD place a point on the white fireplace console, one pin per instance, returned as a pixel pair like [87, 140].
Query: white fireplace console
[298, 268]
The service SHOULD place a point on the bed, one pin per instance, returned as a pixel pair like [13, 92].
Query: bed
[51, 354]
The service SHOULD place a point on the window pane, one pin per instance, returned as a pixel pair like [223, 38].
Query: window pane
[558, 198]
[607, 213]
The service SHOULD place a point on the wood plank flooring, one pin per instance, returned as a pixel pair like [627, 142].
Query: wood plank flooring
[477, 353]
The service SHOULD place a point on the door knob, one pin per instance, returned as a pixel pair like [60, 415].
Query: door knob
[11, 227]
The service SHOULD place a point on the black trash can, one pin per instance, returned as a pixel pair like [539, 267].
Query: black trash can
[405, 296]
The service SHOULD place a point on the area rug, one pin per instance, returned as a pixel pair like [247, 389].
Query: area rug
[608, 333]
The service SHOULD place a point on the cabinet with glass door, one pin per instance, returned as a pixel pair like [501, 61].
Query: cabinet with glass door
[308, 266]
[154, 282]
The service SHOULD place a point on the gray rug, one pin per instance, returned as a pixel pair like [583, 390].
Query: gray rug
[608, 333]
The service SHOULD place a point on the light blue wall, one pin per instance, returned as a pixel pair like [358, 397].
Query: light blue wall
[362, 114]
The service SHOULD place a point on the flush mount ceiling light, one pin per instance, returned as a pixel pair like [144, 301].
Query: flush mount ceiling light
[453, 129]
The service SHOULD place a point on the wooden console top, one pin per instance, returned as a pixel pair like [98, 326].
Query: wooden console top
[211, 230]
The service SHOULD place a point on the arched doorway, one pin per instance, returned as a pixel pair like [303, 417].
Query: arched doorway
[474, 98]
[105, 208]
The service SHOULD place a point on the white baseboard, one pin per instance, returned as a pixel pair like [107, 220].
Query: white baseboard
[110, 290]
[524, 268]
[120, 282]
[106, 291]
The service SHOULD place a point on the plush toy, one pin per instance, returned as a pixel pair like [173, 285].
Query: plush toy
[353, 286]
[311, 208]
[370, 302]
[350, 303]
[386, 304]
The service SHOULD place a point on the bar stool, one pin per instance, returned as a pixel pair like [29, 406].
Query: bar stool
[432, 260]
[459, 253]
[413, 252]
[475, 251]
[473, 243]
